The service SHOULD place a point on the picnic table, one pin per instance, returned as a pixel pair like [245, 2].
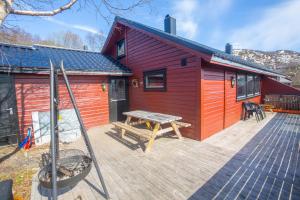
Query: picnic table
[169, 122]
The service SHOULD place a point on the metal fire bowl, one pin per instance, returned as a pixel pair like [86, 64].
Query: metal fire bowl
[68, 159]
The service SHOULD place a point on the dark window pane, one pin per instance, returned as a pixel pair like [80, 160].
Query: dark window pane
[257, 85]
[250, 85]
[121, 48]
[117, 88]
[155, 80]
[241, 85]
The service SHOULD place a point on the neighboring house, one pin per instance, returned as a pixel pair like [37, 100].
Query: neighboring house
[144, 68]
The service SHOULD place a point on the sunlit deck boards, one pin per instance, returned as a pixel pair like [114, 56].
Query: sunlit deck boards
[247, 160]
[268, 167]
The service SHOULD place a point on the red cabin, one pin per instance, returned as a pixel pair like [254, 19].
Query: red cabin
[140, 67]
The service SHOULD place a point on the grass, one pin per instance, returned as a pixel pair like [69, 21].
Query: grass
[20, 166]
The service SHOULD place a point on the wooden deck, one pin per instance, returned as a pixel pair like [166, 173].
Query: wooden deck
[246, 161]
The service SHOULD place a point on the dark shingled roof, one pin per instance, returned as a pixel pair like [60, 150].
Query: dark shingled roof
[37, 57]
[194, 45]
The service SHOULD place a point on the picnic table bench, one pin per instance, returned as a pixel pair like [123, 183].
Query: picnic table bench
[145, 117]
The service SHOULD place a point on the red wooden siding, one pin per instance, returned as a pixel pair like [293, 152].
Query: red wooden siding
[32, 92]
[212, 97]
[145, 53]
[270, 86]
[232, 108]
[219, 107]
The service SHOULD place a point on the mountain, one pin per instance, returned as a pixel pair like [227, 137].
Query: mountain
[284, 61]
[280, 60]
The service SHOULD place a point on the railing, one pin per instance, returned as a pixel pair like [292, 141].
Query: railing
[283, 102]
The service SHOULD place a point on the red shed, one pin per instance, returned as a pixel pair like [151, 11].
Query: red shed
[24, 86]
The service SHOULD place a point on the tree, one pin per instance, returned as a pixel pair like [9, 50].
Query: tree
[39, 8]
[16, 35]
[94, 41]
[66, 39]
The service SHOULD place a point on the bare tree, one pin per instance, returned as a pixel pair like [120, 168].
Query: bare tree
[17, 35]
[38, 7]
[66, 39]
[94, 41]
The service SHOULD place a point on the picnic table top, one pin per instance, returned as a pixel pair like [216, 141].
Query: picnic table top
[152, 116]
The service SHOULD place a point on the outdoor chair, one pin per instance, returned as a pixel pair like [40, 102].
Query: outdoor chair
[6, 189]
[259, 111]
[251, 109]
[248, 110]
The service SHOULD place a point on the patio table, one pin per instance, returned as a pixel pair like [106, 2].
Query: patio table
[157, 119]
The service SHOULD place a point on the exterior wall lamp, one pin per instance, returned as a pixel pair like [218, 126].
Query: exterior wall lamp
[103, 86]
[232, 81]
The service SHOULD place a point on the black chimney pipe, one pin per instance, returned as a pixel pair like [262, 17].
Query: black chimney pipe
[228, 48]
[170, 25]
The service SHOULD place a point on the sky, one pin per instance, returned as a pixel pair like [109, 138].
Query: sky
[249, 24]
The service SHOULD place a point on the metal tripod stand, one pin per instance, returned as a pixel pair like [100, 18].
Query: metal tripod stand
[54, 128]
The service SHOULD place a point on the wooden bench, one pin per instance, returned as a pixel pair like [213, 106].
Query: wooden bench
[182, 124]
[142, 133]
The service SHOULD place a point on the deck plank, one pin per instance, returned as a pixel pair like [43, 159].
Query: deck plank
[246, 161]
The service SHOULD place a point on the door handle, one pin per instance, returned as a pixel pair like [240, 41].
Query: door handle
[11, 112]
[112, 100]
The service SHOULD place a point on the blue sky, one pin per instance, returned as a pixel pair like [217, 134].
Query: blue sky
[255, 24]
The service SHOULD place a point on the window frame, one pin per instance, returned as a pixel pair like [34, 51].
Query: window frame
[246, 96]
[117, 49]
[154, 72]
[249, 95]
[259, 85]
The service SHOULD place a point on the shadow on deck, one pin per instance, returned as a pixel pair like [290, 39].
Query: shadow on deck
[267, 167]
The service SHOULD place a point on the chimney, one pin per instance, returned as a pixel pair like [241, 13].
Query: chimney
[228, 48]
[170, 25]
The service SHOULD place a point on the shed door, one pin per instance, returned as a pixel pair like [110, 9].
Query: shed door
[8, 111]
[212, 101]
[118, 98]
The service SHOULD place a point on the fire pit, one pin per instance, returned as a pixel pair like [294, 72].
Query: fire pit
[72, 166]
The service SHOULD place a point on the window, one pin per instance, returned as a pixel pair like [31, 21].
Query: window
[121, 48]
[183, 62]
[247, 85]
[256, 85]
[241, 86]
[155, 80]
[250, 85]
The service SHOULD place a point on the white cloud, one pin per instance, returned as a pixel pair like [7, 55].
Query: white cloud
[185, 15]
[191, 13]
[74, 26]
[215, 8]
[277, 28]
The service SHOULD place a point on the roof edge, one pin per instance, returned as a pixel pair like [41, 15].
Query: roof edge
[228, 63]
[69, 72]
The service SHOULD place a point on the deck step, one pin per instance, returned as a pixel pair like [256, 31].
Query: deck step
[143, 133]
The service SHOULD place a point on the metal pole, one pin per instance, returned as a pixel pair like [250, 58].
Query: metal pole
[56, 112]
[52, 130]
[83, 131]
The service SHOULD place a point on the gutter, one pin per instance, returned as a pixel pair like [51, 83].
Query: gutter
[46, 71]
[228, 63]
